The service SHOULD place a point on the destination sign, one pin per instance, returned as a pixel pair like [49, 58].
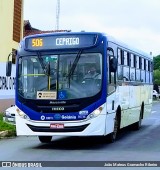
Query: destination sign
[53, 42]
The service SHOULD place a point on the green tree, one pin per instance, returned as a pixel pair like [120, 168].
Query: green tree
[156, 62]
[156, 70]
[156, 75]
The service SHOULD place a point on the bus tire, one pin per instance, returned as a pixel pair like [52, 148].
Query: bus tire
[112, 136]
[45, 139]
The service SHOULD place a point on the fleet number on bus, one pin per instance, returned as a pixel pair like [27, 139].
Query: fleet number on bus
[37, 42]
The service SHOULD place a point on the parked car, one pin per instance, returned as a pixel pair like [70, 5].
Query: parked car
[155, 95]
[9, 114]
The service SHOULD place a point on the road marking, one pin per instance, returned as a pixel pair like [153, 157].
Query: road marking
[153, 112]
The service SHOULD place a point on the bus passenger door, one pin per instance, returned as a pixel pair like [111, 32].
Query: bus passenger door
[111, 84]
[111, 90]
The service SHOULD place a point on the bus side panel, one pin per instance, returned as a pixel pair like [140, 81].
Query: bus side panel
[134, 103]
[124, 104]
[146, 97]
[110, 112]
[132, 98]
[130, 102]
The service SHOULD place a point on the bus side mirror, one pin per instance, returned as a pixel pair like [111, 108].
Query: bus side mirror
[113, 64]
[9, 63]
[8, 68]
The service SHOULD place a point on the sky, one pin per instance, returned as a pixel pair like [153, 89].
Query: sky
[134, 22]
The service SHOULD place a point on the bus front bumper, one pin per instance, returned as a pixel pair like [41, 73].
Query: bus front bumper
[92, 127]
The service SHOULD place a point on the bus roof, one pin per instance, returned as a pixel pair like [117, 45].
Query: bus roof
[128, 47]
[109, 39]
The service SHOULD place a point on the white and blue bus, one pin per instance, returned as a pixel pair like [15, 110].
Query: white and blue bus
[55, 97]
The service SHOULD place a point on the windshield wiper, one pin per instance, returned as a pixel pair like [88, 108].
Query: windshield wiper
[43, 65]
[46, 68]
[74, 65]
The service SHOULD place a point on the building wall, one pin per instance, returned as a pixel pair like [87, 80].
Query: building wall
[11, 13]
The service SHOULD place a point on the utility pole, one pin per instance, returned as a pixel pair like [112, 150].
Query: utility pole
[57, 14]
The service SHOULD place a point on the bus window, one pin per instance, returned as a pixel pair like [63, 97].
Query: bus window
[137, 62]
[125, 59]
[120, 67]
[128, 59]
[126, 73]
[132, 74]
[145, 64]
[149, 66]
[132, 60]
[120, 56]
[120, 72]
[140, 63]
[132, 67]
[151, 73]
[147, 72]
[111, 74]
[138, 75]
[143, 73]
[126, 67]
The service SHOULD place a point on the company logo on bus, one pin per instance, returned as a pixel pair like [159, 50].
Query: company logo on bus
[57, 108]
[57, 116]
[42, 117]
[83, 112]
[57, 102]
[68, 117]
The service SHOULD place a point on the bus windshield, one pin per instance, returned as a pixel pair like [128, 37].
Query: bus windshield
[61, 77]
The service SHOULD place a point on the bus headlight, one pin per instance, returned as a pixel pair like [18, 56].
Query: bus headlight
[96, 112]
[22, 114]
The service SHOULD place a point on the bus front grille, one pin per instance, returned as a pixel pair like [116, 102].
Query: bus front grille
[65, 129]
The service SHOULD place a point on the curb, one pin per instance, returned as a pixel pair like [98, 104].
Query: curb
[7, 134]
[3, 133]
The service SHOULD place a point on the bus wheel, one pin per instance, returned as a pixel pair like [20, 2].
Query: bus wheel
[112, 136]
[45, 139]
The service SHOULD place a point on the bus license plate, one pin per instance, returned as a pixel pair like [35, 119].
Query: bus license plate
[56, 126]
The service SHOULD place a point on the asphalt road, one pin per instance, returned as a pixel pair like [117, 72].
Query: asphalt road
[142, 145]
